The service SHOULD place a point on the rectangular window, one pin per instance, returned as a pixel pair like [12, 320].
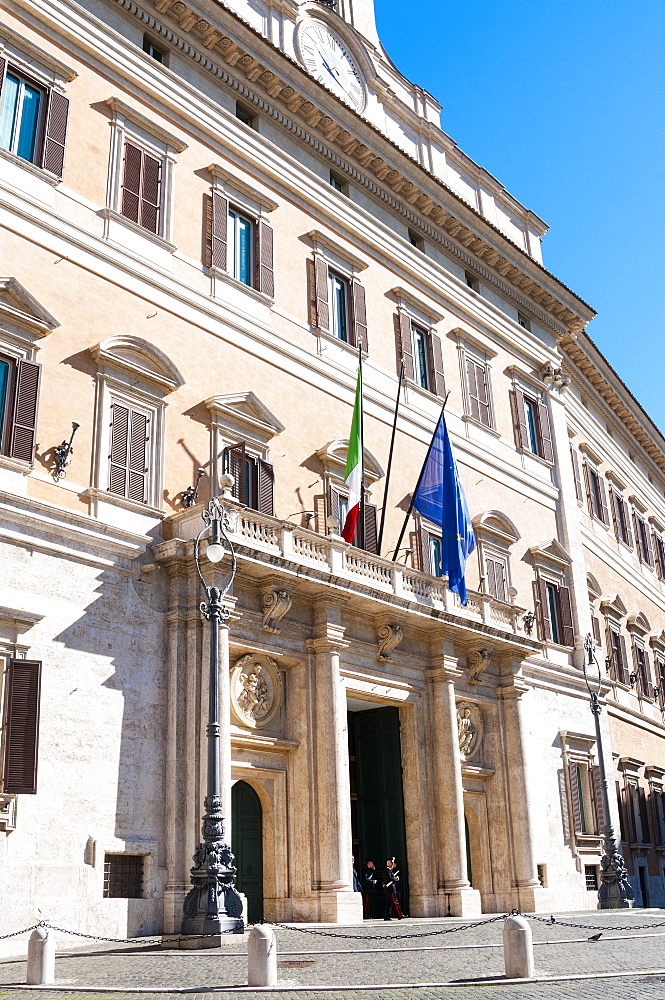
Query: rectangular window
[591, 877]
[659, 546]
[616, 645]
[5, 374]
[435, 555]
[19, 397]
[576, 473]
[141, 188]
[337, 182]
[595, 490]
[478, 399]
[554, 612]
[240, 247]
[643, 671]
[254, 478]
[416, 241]
[471, 280]
[621, 518]
[531, 425]
[153, 50]
[660, 679]
[524, 321]
[21, 116]
[245, 115]
[123, 876]
[531, 420]
[130, 447]
[338, 296]
[496, 578]
[642, 535]
[420, 357]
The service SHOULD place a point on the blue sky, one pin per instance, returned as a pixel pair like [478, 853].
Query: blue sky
[563, 102]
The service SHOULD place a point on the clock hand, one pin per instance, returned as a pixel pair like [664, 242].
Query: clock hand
[333, 72]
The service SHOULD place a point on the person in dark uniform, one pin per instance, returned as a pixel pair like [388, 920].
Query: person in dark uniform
[370, 885]
[356, 881]
[390, 881]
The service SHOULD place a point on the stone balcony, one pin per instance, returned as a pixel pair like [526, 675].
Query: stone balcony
[267, 546]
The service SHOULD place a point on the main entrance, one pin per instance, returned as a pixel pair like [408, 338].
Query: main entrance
[247, 846]
[377, 800]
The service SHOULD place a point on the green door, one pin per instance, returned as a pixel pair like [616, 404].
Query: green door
[247, 846]
[377, 806]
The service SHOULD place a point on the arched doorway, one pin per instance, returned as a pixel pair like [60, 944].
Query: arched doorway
[247, 846]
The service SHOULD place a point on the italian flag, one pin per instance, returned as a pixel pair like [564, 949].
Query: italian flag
[353, 472]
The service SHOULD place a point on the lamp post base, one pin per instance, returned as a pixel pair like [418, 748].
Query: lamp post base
[616, 892]
[212, 905]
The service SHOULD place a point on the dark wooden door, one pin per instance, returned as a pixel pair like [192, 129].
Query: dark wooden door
[247, 846]
[378, 806]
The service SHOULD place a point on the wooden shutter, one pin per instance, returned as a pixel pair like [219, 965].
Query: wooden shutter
[613, 666]
[235, 465]
[321, 293]
[567, 637]
[24, 413]
[437, 382]
[595, 628]
[644, 815]
[265, 276]
[370, 533]
[3, 70]
[602, 500]
[519, 418]
[333, 507]
[657, 816]
[359, 316]
[405, 345]
[119, 435]
[542, 608]
[545, 433]
[131, 182]
[426, 552]
[645, 674]
[622, 813]
[265, 487]
[660, 555]
[478, 392]
[599, 809]
[137, 467]
[414, 545]
[575, 797]
[151, 175]
[576, 474]
[496, 578]
[55, 135]
[219, 229]
[615, 504]
[319, 505]
[623, 665]
[22, 727]
[587, 483]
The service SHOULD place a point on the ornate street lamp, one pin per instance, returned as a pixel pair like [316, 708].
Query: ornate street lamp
[615, 890]
[213, 905]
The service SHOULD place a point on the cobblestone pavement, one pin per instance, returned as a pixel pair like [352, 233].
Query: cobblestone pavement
[337, 962]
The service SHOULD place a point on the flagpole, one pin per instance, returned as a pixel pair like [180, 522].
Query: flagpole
[362, 447]
[413, 495]
[390, 460]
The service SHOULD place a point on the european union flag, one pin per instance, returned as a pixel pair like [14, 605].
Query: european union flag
[440, 498]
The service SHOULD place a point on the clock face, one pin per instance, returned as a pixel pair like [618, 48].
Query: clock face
[328, 61]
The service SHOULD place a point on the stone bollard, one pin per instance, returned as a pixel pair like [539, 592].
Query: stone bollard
[41, 957]
[262, 956]
[517, 949]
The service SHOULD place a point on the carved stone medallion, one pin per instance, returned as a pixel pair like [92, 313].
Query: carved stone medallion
[469, 729]
[256, 690]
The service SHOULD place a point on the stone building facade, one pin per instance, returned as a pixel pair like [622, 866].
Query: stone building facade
[207, 212]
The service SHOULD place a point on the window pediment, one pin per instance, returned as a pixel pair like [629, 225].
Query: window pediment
[123, 113]
[236, 190]
[135, 356]
[638, 622]
[613, 606]
[657, 641]
[593, 587]
[335, 253]
[467, 339]
[494, 524]
[333, 459]
[22, 311]
[416, 307]
[245, 414]
[550, 553]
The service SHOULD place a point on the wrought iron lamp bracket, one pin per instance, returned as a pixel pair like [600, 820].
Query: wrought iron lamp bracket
[64, 452]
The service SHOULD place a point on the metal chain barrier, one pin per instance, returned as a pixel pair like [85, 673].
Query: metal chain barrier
[99, 937]
[3, 937]
[591, 927]
[402, 937]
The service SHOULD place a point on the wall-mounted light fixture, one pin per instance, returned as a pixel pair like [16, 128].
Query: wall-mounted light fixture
[190, 495]
[63, 454]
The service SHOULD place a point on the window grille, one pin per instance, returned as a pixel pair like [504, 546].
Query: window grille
[591, 877]
[123, 876]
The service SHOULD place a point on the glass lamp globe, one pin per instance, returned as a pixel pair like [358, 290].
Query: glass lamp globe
[215, 552]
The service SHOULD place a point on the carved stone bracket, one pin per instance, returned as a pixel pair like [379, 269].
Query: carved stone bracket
[388, 638]
[554, 377]
[275, 604]
[476, 662]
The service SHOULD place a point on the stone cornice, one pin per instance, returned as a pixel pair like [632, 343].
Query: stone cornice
[600, 375]
[424, 199]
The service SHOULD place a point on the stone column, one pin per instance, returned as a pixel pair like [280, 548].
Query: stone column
[460, 899]
[338, 902]
[526, 887]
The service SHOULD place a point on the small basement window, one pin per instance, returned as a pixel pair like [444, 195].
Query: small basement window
[123, 876]
[591, 877]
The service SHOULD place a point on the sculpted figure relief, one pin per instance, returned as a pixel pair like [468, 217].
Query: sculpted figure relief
[256, 690]
[468, 730]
